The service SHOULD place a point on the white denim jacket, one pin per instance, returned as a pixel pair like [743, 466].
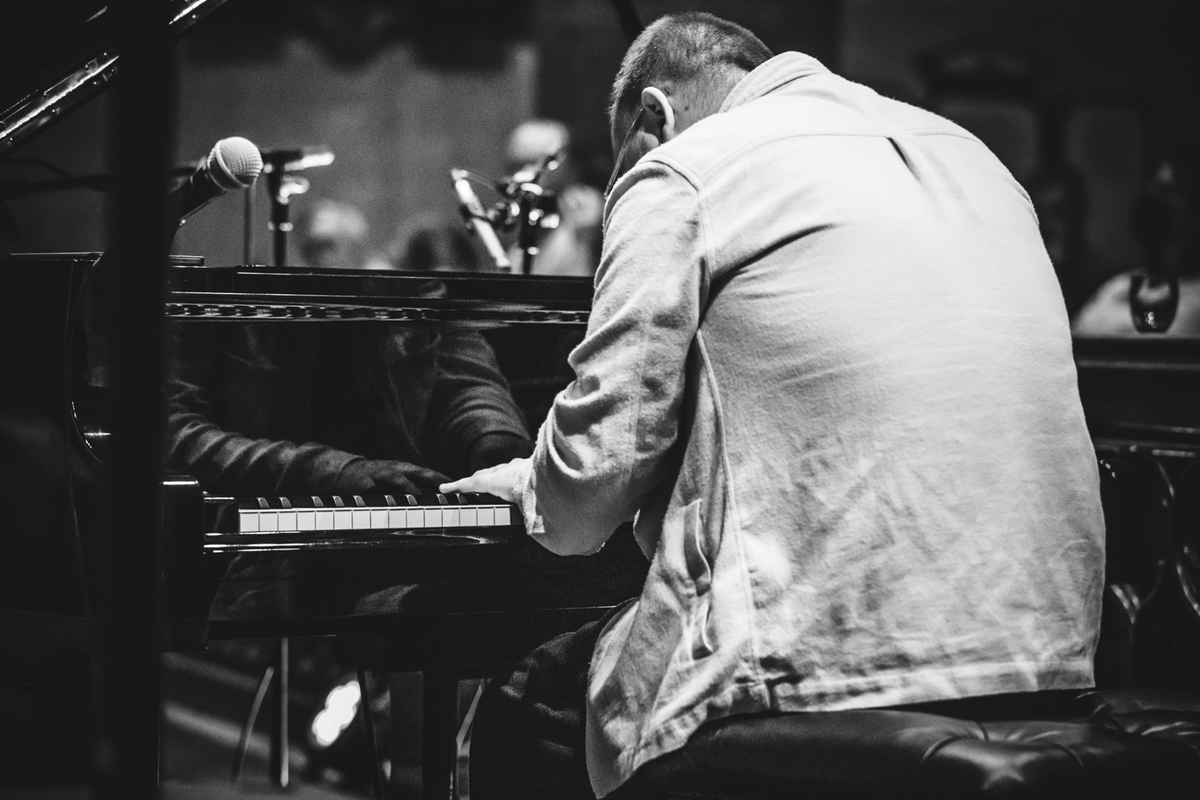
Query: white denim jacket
[829, 369]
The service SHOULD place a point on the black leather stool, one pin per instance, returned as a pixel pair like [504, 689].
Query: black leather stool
[1099, 744]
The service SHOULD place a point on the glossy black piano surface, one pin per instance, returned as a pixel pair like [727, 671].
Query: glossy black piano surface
[312, 581]
[264, 294]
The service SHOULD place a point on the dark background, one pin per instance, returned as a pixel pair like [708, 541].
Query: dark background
[1081, 99]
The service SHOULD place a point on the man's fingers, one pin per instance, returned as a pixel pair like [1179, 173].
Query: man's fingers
[472, 483]
[461, 485]
[497, 480]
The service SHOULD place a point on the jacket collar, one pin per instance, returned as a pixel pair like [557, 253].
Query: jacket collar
[771, 75]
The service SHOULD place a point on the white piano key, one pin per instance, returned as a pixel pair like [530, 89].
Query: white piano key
[362, 517]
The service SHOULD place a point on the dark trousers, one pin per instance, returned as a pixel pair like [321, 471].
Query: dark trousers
[527, 738]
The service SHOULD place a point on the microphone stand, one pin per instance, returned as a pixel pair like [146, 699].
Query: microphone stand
[1154, 290]
[530, 216]
[282, 186]
[524, 190]
[248, 225]
[279, 164]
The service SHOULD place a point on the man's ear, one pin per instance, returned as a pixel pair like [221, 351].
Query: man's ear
[660, 116]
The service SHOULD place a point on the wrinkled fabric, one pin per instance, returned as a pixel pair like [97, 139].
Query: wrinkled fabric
[829, 371]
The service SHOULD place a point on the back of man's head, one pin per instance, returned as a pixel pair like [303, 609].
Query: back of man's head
[697, 56]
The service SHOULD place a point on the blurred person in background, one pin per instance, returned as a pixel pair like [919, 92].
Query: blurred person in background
[432, 243]
[331, 234]
[572, 246]
[1166, 223]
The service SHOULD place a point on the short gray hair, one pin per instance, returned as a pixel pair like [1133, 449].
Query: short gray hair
[678, 49]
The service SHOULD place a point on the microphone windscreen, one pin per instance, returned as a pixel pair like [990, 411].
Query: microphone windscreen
[234, 163]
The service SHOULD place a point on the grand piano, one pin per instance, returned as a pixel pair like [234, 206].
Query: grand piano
[123, 554]
[100, 536]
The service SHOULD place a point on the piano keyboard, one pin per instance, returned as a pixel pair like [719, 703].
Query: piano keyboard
[385, 512]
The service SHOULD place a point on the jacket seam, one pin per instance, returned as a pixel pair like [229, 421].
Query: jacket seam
[731, 505]
[710, 377]
[672, 162]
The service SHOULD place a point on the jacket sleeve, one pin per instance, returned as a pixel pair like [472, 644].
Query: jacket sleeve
[473, 420]
[225, 461]
[606, 442]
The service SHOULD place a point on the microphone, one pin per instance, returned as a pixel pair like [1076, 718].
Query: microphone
[234, 163]
[547, 163]
[472, 211]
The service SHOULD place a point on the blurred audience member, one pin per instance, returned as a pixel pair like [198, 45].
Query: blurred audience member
[533, 140]
[435, 244]
[331, 235]
[1166, 223]
[570, 241]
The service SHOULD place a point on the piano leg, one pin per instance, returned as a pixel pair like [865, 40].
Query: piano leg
[367, 714]
[278, 765]
[438, 735]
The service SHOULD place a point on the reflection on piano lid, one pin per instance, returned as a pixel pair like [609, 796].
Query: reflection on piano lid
[383, 512]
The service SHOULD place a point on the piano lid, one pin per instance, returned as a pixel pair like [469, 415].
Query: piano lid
[57, 54]
[263, 294]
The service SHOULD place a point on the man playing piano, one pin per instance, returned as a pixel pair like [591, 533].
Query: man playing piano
[828, 373]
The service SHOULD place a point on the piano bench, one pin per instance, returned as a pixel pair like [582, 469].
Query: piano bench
[1096, 744]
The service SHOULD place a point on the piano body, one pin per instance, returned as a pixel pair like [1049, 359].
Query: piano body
[452, 597]
[112, 564]
[472, 547]
[446, 585]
